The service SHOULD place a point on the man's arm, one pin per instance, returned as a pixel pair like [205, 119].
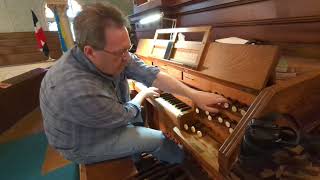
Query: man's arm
[204, 100]
[150, 76]
[100, 111]
[87, 104]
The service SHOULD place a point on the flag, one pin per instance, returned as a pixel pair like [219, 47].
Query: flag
[61, 32]
[41, 38]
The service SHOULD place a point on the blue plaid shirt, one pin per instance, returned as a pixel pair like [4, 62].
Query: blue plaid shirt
[82, 107]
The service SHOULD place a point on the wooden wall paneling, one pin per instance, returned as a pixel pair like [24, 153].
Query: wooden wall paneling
[250, 11]
[25, 58]
[21, 48]
[283, 33]
[270, 20]
[293, 33]
[145, 34]
[302, 65]
[278, 22]
[310, 51]
[145, 6]
[19, 35]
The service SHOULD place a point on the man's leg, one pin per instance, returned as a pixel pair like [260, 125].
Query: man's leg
[136, 140]
[132, 140]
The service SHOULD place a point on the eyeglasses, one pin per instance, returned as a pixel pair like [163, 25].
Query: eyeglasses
[119, 54]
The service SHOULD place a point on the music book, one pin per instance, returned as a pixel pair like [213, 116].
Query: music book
[169, 48]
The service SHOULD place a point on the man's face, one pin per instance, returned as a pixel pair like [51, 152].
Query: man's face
[114, 57]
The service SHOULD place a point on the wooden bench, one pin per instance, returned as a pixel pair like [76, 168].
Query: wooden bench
[112, 170]
[20, 98]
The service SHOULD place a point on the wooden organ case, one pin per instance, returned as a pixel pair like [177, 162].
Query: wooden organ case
[243, 73]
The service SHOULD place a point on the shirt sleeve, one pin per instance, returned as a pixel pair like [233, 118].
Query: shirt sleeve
[100, 111]
[139, 71]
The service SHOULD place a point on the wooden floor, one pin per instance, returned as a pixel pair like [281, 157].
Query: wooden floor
[32, 124]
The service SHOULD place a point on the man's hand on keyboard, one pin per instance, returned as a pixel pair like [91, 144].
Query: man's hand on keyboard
[208, 101]
[150, 92]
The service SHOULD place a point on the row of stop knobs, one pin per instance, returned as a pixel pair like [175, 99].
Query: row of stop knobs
[235, 106]
[197, 129]
[220, 118]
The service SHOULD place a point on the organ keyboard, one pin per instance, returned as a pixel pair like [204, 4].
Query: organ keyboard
[234, 72]
[175, 108]
[173, 104]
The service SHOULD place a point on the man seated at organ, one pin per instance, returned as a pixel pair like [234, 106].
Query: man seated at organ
[161, 90]
[84, 97]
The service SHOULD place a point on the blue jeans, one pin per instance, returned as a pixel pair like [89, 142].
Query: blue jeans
[132, 141]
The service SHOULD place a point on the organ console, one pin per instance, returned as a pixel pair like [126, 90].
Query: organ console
[241, 73]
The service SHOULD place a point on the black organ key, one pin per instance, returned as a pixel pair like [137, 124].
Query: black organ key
[186, 108]
[164, 95]
[180, 104]
[183, 106]
[171, 101]
[168, 98]
[176, 101]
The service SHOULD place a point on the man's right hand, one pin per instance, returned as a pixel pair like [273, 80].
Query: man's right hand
[208, 101]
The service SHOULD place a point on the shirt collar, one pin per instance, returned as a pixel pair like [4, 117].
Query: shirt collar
[84, 61]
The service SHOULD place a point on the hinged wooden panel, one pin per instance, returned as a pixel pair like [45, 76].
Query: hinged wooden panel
[246, 65]
[196, 81]
[233, 93]
[144, 47]
[171, 71]
[148, 62]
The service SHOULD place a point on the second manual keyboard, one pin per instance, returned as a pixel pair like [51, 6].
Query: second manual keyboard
[173, 104]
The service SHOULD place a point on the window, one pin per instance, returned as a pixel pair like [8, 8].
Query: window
[74, 8]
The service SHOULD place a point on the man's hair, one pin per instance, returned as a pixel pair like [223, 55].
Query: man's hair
[91, 22]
